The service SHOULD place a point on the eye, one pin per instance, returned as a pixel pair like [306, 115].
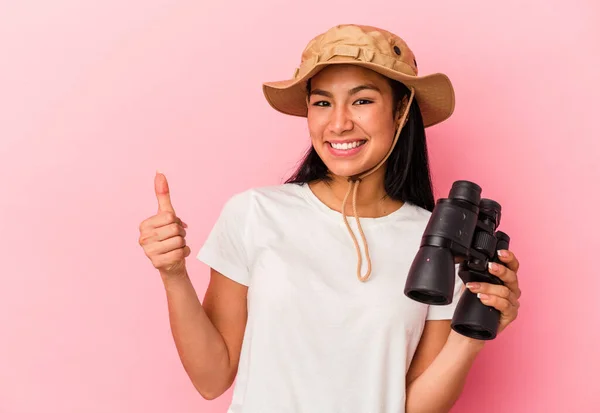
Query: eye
[363, 101]
[321, 103]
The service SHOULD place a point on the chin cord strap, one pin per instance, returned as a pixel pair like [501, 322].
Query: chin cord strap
[354, 181]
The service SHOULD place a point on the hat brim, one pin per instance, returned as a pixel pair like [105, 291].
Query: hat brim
[433, 92]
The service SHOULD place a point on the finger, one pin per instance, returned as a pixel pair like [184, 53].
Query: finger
[161, 187]
[172, 258]
[162, 233]
[159, 220]
[508, 276]
[166, 246]
[170, 231]
[509, 258]
[499, 303]
[494, 289]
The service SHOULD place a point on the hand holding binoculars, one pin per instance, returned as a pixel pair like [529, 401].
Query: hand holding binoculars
[462, 226]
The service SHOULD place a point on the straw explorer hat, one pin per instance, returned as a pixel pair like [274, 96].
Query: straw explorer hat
[370, 47]
[382, 52]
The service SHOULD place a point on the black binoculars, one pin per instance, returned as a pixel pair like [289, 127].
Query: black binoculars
[461, 227]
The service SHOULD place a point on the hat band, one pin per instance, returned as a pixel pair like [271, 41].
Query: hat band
[355, 53]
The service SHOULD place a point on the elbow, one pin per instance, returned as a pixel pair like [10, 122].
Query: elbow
[210, 392]
[214, 389]
[207, 395]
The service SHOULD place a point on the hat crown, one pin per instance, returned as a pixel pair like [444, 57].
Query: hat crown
[370, 39]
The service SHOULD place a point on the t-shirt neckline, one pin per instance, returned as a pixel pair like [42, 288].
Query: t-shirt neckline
[310, 196]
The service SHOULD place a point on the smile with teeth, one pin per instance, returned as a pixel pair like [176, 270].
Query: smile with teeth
[346, 145]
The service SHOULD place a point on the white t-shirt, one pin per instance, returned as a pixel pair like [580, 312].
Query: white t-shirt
[317, 339]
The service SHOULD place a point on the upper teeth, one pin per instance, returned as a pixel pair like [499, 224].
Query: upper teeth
[346, 145]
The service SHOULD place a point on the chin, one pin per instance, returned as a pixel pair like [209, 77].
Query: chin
[346, 169]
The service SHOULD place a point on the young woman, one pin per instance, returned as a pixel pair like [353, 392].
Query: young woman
[305, 307]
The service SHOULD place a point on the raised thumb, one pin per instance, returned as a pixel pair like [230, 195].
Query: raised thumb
[161, 187]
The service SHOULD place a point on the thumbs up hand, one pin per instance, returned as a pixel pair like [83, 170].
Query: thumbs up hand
[162, 236]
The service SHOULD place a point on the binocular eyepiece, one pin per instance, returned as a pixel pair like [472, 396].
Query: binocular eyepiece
[461, 228]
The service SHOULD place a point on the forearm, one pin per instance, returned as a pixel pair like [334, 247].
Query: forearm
[440, 385]
[201, 347]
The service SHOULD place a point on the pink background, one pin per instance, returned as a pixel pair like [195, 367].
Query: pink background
[95, 96]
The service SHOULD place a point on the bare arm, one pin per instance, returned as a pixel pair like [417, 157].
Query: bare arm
[208, 337]
[439, 368]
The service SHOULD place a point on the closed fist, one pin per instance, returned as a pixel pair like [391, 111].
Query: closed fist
[162, 236]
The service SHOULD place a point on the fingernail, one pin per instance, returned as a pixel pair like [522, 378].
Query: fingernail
[492, 266]
[482, 296]
[502, 253]
[472, 286]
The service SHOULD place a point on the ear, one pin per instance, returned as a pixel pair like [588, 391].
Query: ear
[402, 106]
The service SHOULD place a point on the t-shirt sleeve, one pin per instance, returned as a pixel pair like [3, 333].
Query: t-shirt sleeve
[225, 248]
[445, 312]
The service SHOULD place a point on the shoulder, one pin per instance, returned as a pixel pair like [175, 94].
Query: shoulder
[408, 225]
[416, 215]
[265, 197]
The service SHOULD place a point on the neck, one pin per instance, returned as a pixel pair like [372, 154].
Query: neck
[372, 200]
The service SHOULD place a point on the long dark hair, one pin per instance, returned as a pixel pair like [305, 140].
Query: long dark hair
[409, 157]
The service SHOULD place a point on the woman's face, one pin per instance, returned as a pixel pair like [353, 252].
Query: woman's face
[350, 118]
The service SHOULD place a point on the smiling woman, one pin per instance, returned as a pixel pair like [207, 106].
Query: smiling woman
[349, 107]
[295, 310]
[367, 111]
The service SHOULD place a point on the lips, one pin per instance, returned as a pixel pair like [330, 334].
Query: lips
[347, 145]
[346, 148]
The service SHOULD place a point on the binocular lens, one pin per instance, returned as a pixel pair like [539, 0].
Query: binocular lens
[474, 331]
[431, 276]
[426, 297]
[474, 319]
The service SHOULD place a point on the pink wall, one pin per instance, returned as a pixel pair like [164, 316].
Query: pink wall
[95, 97]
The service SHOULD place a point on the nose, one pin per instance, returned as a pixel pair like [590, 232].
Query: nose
[341, 120]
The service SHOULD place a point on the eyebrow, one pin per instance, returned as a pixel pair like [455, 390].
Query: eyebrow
[352, 91]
